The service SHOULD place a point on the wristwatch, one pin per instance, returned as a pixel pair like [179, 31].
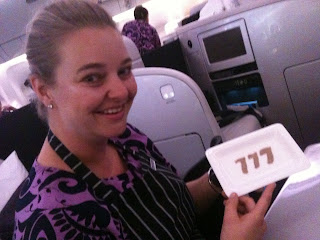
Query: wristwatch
[213, 181]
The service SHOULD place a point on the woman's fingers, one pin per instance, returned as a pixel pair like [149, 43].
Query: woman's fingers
[265, 200]
[247, 202]
[231, 206]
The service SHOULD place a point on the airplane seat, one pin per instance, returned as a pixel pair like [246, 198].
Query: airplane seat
[13, 75]
[197, 8]
[133, 52]
[194, 14]
[294, 214]
[171, 109]
[246, 124]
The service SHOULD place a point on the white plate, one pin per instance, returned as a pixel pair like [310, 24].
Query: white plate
[254, 160]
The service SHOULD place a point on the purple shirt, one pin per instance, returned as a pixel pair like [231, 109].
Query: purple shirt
[142, 34]
[55, 204]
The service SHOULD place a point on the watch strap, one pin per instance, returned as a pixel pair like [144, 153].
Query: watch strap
[213, 181]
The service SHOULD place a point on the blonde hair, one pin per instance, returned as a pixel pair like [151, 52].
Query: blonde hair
[48, 29]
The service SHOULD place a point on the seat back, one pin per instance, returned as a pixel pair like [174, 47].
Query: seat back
[295, 214]
[133, 52]
[171, 109]
[13, 74]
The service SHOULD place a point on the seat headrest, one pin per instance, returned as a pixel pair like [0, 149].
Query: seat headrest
[133, 52]
[13, 75]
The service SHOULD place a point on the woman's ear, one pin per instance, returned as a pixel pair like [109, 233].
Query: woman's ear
[41, 89]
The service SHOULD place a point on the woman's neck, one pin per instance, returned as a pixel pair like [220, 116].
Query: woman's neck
[98, 155]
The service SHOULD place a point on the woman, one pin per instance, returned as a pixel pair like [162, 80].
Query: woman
[96, 176]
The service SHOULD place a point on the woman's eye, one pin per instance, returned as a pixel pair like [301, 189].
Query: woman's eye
[125, 72]
[93, 78]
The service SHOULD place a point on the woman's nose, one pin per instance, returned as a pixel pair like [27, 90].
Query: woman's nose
[117, 88]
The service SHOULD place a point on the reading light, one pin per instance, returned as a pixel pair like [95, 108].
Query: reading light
[167, 91]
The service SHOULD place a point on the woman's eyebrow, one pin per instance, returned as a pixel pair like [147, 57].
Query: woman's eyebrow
[90, 66]
[127, 60]
[99, 65]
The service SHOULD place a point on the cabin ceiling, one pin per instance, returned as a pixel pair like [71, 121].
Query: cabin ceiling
[16, 14]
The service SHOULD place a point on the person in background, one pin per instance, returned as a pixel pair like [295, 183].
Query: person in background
[144, 36]
[97, 176]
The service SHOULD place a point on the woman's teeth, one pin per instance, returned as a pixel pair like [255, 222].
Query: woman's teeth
[113, 110]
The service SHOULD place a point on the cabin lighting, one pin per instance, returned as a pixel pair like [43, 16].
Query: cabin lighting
[167, 91]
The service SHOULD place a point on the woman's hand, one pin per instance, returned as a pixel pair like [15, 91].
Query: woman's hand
[243, 218]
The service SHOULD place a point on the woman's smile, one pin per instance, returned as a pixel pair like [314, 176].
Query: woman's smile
[114, 113]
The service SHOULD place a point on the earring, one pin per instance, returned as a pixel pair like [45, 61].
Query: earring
[50, 106]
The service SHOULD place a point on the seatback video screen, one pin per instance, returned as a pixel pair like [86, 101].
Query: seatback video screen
[225, 45]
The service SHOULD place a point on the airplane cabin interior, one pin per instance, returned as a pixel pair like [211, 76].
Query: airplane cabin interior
[227, 69]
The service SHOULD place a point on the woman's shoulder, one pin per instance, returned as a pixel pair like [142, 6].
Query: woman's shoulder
[57, 201]
[50, 188]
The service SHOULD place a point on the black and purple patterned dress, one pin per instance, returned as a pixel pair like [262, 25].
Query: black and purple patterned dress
[146, 202]
[144, 36]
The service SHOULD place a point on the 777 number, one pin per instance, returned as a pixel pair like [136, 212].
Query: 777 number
[255, 158]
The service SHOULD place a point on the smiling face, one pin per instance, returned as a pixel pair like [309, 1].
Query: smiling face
[94, 86]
